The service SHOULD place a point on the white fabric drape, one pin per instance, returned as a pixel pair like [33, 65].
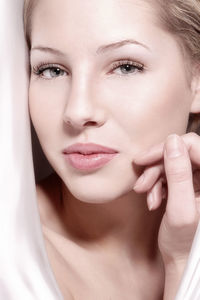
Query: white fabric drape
[25, 271]
[189, 288]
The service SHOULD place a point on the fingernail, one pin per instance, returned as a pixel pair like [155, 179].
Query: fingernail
[139, 181]
[174, 146]
[150, 201]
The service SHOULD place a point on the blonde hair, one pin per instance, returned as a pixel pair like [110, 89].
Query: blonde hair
[29, 6]
[179, 17]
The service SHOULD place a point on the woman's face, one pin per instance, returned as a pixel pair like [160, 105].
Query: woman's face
[92, 99]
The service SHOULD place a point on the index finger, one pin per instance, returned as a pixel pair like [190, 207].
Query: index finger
[156, 153]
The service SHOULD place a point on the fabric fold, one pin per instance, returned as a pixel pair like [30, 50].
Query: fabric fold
[25, 269]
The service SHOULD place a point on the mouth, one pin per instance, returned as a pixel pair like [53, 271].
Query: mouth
[88, 156]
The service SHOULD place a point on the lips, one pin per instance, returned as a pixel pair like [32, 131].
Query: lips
[88, 156]
[89, 148]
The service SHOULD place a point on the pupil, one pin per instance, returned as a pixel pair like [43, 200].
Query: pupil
[128, 67]
[57, 71]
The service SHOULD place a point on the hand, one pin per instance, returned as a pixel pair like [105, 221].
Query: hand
[178, 178]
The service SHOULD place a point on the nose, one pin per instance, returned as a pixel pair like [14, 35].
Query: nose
[81, 109]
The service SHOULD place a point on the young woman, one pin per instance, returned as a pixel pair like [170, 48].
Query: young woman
[108, 81]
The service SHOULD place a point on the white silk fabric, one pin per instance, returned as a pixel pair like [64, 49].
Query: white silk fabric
[25, 272]
[189, 288]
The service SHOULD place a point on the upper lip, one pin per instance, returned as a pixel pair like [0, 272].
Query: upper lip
[88, 148]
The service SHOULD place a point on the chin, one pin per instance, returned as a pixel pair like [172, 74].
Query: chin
[98, 192]
[103, 186]
[95, 197]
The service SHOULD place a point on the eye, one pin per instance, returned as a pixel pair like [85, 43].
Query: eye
[49, 71]
[53, 72]
[127, 67]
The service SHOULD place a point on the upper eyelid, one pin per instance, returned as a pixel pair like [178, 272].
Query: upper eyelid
[122, 60]
[128, 61]
[42, 67]
[115, 64]
[48, 66]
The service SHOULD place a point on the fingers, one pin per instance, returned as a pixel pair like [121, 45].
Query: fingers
[178, 171]
[181, 206]
[155, 195]
[196, 182]
[154, 154]
[150, 175]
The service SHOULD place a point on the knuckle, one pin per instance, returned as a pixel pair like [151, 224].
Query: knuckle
[182, 220]
[190, 220]
[179, 174]
[157, 169]
[193, 136]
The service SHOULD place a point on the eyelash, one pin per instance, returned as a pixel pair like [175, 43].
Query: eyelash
[43, 66]
[140, 67]
[37, 70]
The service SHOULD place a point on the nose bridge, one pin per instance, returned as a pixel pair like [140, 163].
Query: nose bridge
[80, 90]
[80, 106]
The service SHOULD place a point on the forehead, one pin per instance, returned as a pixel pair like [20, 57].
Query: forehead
[67, 19]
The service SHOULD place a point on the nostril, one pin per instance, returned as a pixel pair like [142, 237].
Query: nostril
[90, 123]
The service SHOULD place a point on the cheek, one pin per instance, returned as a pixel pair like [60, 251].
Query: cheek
[149, 108]
[46, 103]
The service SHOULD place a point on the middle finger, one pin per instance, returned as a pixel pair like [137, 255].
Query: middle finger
[156, 153]
[149, 177]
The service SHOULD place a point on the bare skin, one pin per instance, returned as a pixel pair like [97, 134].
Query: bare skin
[102, 240]
[86, 268]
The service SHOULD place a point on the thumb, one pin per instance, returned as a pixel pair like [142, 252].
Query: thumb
[181, 206]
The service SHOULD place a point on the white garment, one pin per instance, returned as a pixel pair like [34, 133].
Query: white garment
[25, 272]
[189, 288]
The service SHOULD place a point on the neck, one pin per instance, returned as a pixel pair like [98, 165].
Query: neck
[124, 224]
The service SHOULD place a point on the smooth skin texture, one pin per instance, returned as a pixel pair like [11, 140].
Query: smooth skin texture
[102, 236]
[178, 159]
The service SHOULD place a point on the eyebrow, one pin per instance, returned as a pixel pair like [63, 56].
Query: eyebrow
[101, 49]
[119, 44]
[48, 49]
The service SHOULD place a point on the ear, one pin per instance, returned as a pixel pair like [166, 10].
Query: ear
[195, 87]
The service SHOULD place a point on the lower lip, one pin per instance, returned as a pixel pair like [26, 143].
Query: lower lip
[90, 161]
